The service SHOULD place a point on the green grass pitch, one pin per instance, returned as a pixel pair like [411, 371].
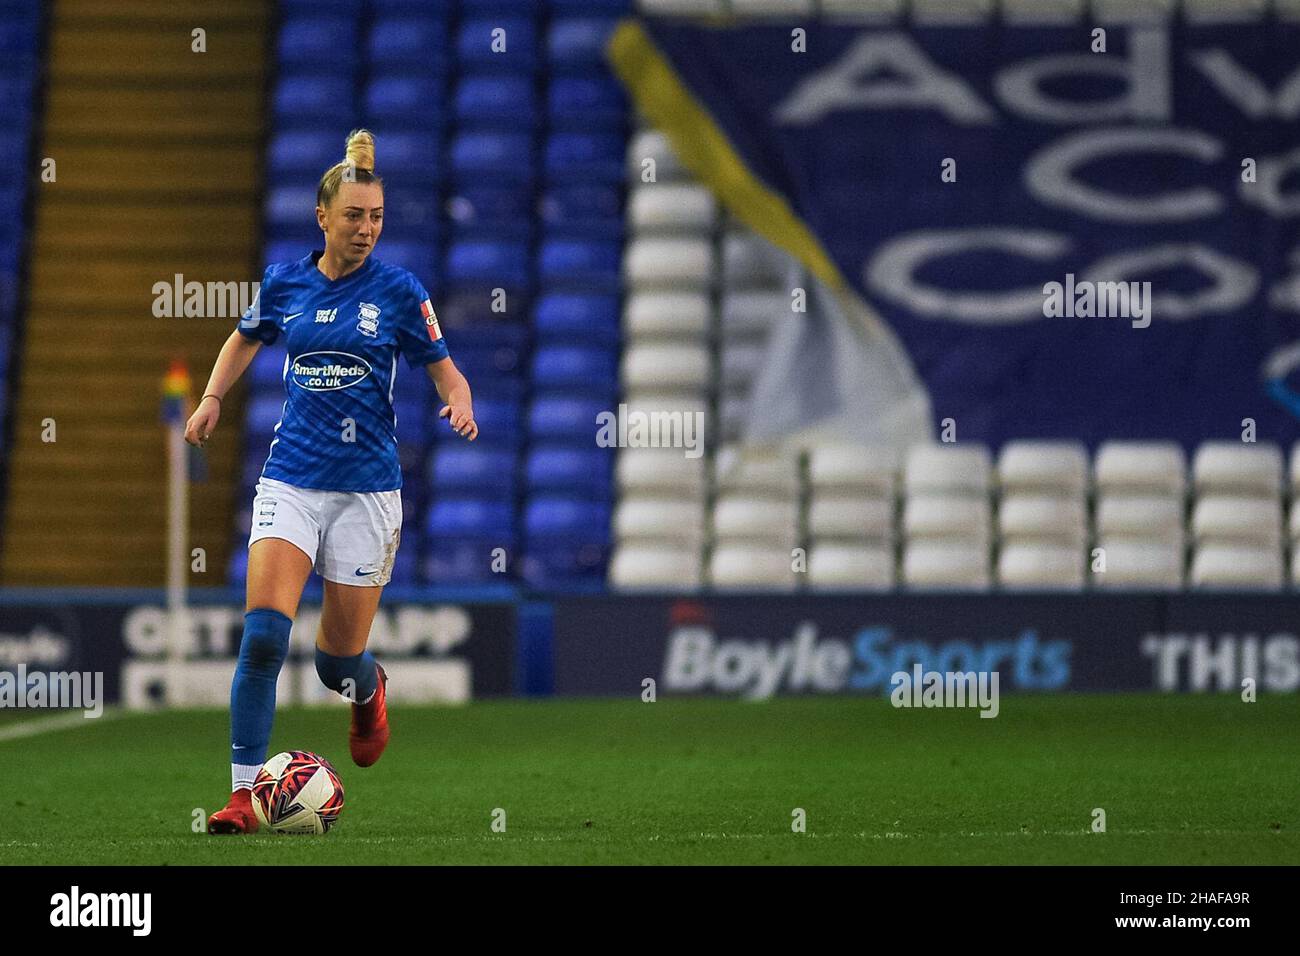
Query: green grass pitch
[1182, 780]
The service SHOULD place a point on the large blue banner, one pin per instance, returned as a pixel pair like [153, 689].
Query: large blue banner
[1000, 196]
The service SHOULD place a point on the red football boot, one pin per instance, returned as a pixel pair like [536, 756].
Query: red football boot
[237, 816]
[369, 734]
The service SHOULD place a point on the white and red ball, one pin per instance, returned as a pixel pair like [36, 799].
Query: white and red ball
[297, 792]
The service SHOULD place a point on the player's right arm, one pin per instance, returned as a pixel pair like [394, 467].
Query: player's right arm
[231, 363]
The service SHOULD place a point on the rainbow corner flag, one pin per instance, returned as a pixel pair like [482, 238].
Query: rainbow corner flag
[176, 393]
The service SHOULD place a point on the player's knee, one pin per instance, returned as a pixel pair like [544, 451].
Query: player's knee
[266, 638]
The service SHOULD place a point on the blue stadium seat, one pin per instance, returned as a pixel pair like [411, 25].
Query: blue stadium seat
[488, 264]
[470, 469]
[411, 212]
[406, 565]
[578, 43]
[583, 211]
[579, 262]
[18, 38]
[502, 157]
[266, 371]
[418, 258]
[564, 8]
[586, 101]
[575, 367]
[415, 101]
[286, 251]
[411, 417]
[304, 155]
[430, 9]
[566, 418]
[489, 333]
[411, 159]
[547, 565]
[411, 45]
[338, 8]
[469, 517]
[578, 317]
[561, 518]
[499, 422]
[476, 50]
[309, 101]
[507, 101]
[585, 158]
[492, 207]
[291, 213]
[477, 7]
[317, 41]
[584, 472]
[486, 361]
[465, 560]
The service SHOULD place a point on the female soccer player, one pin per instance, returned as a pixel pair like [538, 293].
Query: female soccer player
[328, 496]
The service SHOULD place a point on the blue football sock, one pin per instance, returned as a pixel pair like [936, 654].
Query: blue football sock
[360, 670]
[252, 695]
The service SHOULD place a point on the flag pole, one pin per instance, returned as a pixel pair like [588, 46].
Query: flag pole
[176, 400]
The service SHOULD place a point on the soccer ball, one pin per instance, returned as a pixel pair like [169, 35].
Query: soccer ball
[297, 792]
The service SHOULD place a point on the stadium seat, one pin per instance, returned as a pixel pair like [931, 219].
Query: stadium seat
[577, 44]
[1031, 517]
[775, 475]
[667, 314]
[1028, 12]
[467, 559]
[583, 7]
[642, 565]
[749, 261]
[502, 101]
[660, 471]
[564, 417]
[680, 521]
[1158, 468]
[1057, 468]
[1236, 567]
[583, 157]
[575, 262]
[770, 8]
[1139, 564]
[740, 365]
[582, 211]
[1224, 467]
[577, 316]
[947, 469]
[855, 518]
[492, 210]
[653, 145]
[574, 367]
[947, 517]
[310, 100]
[1235, 519]
[485, 263]
[584, 472]
[852, 469]
[836, 566]
[492, 156]
[304, 154]
[693, 8]
[754, 518]
[1039, 565]
[749, 314]
[561, 517]
[678, 264]
[685, 367]
[746, 565]
[479, 45]
[402, 44]
[675, 208]
[410, 101]
[469, 517]
[589, 101]
[1139, 516]
[313, 41]
[945, 564]
[462, 470]
[499, 422]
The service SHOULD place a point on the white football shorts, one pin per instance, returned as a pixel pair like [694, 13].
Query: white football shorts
[350, 536]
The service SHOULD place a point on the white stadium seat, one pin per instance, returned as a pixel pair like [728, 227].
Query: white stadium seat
[837, 516]
[755, 518]
[772, 8]
[743, 565]
[1041, 566]
[652, 144]
[1293, 471]
[857, 566]
[662, 471]
[1040, 12]
[654, 566]
[750, 313]
[864, 10]
[1131, 467]
[947, 516]
[1293, 523]
[946, 564]
[682, 8]
[671, 207]
[1034, 517]
[1223, 11]
[740, 365]
[1295, 566]
[947, 469]
[667, 314]
[950, 12]
[660, 519]
[668, 366]
[734, 411]
[1059, 468]
[1223, 518]
[679, 264]
[750, 261]
[774, 474]
[1220, 467]
[1236, 567]
[853, 468]
[1140, 516]
[1137, 564]
[1108, 12]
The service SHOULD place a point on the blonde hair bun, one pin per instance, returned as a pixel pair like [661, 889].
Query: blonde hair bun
[361, 150]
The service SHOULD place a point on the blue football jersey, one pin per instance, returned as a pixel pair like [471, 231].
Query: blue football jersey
[342, 338]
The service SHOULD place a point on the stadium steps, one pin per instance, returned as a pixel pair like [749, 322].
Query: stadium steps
[158, 153]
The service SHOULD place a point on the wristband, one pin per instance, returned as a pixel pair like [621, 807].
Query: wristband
[210, 395]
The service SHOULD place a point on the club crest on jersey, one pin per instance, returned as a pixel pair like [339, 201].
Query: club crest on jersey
[368, 319]
[430, 320]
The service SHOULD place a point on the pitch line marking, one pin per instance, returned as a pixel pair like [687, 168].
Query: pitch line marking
[45, 725]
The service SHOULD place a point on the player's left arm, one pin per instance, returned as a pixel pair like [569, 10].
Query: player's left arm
[453, 389]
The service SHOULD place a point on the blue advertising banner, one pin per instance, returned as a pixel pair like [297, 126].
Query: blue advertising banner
[1062, 237]
[758, 646]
